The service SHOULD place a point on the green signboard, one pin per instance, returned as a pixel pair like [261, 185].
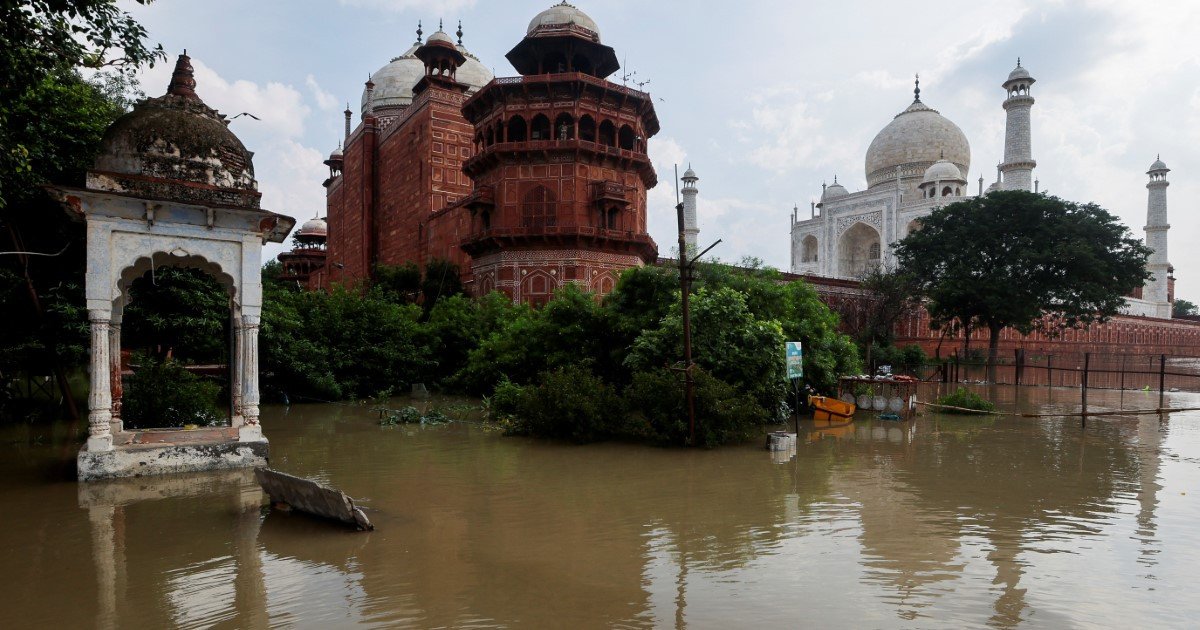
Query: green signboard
[795, 360]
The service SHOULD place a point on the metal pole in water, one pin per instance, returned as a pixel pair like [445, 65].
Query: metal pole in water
[1162, 379]
[1087, 359]
[684, 281]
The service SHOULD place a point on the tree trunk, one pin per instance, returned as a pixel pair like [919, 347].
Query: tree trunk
[993, 351]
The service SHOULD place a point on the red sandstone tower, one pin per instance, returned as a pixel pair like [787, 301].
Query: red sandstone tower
[560, 169]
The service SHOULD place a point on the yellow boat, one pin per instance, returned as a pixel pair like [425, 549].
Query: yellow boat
[826, 409]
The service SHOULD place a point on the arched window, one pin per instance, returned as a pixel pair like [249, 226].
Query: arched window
[538, 208]
[957, 191]
[516, 129]
[627, 137]
[539, 128]
[808, 249]
[873, 252]
[608, 133]
[564, 127]
[587, 128]
[490, 136]
[946, 191]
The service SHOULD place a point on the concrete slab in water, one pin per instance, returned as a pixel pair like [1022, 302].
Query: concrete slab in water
[311, 497]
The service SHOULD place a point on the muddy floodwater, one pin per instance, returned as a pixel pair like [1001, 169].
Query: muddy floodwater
[944, 521]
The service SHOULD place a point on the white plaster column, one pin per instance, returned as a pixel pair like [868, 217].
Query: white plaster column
[250, 430]
[100, 396]
[1157, 230]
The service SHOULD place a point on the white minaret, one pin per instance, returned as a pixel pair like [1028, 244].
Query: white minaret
[1018, 149]
[690, 229]
[1156, 239]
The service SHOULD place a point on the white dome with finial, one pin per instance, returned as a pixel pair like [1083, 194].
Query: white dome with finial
[942, 170]
[834, 190]
[562, 13]
[314, 227]
[1158, 165]
[915, 139]
[394, 82]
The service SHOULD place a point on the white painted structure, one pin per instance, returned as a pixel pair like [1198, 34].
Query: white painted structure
[173, 187]
[921, 161]
[691, 230]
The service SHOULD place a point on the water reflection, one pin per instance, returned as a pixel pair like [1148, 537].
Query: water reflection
[944, 521]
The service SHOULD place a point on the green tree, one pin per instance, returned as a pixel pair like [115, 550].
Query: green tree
[45, 38]
[1022, 260]
[1184, 308]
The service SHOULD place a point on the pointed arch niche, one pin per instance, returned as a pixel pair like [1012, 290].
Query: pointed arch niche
[858, 251]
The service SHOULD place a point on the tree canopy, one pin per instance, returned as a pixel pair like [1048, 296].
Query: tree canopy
[1184, 308]
[1022, 260]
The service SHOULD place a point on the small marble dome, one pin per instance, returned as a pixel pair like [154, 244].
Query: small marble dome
[834, 190]
[441, 36]
[336, 154]
[313, 228]
[1018, 73]
[562, 13]
[394, 82]
[689, 174]
[916, 138]
[1158, 165]
[942, 170]
[176, 147]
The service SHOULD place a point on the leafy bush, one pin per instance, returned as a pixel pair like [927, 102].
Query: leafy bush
[164, 394]
[571, 403]
[965, 399]
[659, 405]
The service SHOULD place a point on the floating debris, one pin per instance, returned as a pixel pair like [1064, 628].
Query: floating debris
[311, 497]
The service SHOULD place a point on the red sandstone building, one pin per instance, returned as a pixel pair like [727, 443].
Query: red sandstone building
[526, 182]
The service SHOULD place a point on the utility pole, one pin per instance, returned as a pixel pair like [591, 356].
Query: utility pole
[685, 282]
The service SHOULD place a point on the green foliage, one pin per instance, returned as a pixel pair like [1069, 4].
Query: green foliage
[659, 406]
[441, 281]
[411, 415]
[965, 399]
[888, 296]
[400, 284]
[571, 403]
[340, 344]
[571, 329]
[903, 359]
[1184, 308]
[727, 341]
[1022, 260]
[182, 310]
[44, 41]
[164, 394]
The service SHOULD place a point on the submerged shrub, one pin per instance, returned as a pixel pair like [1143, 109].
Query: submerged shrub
[164, 394]
[966, 399]
[570, 403]
[723, 415]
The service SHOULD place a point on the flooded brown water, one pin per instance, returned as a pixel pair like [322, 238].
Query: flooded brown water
[944, 521]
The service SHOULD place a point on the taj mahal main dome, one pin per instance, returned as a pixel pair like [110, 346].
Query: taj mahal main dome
[394, 82]
[915, 139]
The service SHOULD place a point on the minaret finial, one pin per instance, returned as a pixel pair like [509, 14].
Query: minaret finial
[943, 154]
[459, 33]
[439, 24]
[917, 89]
[835, 179]
[1018, 62]
[419, 31]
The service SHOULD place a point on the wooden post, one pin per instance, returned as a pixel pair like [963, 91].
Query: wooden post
[1162, 380]
[1122, 372]
[1019, 359]
[1087, 359]
[1049, 371]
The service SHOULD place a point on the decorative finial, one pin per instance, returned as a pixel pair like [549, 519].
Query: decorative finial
[348, 110]
[1158, 156]
[835, 179]
[917, 89]
[943, 154]
[1018, 62]
[183, 81]
[419, 31]
[439, 24]
[459, 33]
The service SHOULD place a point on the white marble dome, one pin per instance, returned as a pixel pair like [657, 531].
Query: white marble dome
[915, 139]
[942, 170]
[313, 227]
[1158, 165]
[394, 82]
[563, 13]
[1018, 73]
[834, 190]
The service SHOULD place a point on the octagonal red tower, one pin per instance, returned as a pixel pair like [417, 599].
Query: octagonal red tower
[560, 169]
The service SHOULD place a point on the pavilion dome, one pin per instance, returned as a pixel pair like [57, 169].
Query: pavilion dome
[942, 170]
[1018, 73]
[915, 139]
[833, 191]
[562, 13]
[1158, 165]
[394, 82]
[314, 228]
[176, 147]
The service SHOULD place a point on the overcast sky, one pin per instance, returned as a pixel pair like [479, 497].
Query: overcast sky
[766, 99]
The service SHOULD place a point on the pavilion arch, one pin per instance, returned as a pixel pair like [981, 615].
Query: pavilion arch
[608, 133]
[858, 251]
[581, 63]
[555, 62]
[808, 249]
[517, 130]
[564, 127]
[627, 139]
[947, 191]
[539, 128]
[587, 128]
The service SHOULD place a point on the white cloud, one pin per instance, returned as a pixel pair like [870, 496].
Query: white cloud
[325, 100]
